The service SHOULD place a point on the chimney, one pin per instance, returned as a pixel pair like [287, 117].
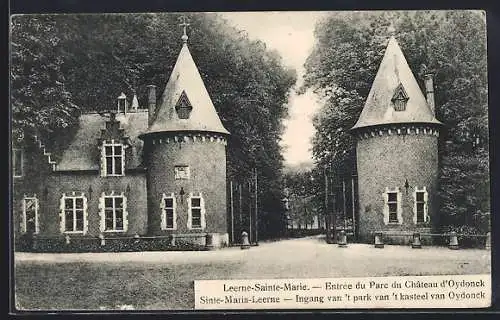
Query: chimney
[151, 102]
[429, 92]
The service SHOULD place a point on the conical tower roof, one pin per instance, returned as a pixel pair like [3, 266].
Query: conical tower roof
[185, 104]
[395, 79]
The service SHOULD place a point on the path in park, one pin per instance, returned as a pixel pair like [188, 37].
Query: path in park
[164, 280]
[301, 258]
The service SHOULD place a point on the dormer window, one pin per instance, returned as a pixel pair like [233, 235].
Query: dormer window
[183, 106]
[113, 158]
[17, 162]
[400, 98]
[122, 103]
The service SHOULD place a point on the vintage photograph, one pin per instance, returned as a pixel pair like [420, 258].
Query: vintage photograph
[152, 151]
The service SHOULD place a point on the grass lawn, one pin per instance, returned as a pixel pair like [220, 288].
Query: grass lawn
[164, 280]
[84, 286]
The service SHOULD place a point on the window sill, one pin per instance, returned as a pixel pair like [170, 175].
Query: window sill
[113, 175]
[169, 229]
[114, 231]
[73, 232]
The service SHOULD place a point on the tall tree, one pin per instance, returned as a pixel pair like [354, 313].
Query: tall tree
[40, 100]
[343, 64]
[100, 56]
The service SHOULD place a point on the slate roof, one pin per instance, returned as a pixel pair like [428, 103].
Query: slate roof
[83, 152]
[379, 108]
[185, 77]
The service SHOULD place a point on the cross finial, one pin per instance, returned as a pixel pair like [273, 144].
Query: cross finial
[184, 24]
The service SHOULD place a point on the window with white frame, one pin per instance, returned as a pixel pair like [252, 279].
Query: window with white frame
[29, 221]
[73, 213]
[169, 215]
[113, 158]
[196, 212]
[181, 172]
[420, 211]
[17, 162]
[113, 212]
[392, 207]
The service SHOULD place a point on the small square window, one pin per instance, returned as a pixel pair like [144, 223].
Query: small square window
[181, 172]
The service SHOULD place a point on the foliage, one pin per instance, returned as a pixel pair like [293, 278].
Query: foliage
[343, 64]
[96, 57]
[40, 100]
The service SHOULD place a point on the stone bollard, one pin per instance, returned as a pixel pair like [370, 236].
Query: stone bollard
[416, 243]
[172, 240]
[379, 243]
[488, 241]
[103, 241]
[342, 241]
[209, 241]
[67, 239]
[453, 241]
[244, 240]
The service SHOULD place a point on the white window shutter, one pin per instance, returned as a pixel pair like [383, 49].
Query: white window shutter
[103, 161]
[386, 206]
[426, 207]
[174, 204]
[37, 207]
[23, 216]
[202, 203]
[400, 207]
[102, 221]
[85, 215]
[125, 213]
[190, 218]
[62, 216]
[163, 223]
[415, 205]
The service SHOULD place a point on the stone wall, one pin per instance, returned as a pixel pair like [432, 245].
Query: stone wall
[206, 157]
[388, 159]
[91, 185]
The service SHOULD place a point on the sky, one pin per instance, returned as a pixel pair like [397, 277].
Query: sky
[292, 35]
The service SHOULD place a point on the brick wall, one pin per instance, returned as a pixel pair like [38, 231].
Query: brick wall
[207, 163]
[387, 161]
[49, 194]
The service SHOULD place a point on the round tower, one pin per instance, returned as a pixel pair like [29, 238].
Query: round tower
[185, 156]
[397, 154]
